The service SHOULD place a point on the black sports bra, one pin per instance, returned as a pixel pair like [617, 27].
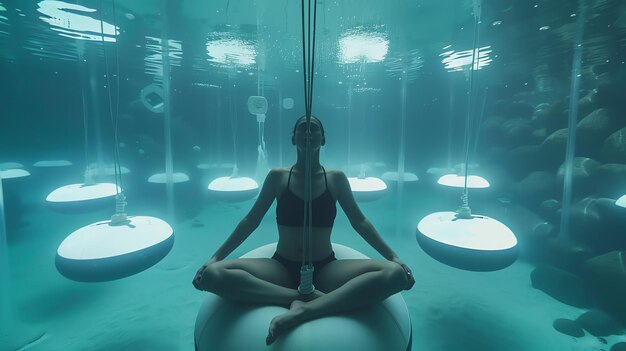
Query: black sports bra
[290, 208]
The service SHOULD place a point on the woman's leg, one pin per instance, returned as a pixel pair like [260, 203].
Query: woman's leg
[253, 280]
[349, 284]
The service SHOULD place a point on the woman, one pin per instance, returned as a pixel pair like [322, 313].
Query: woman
[341, 285]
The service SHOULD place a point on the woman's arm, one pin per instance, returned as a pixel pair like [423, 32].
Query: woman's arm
[364, 227]
[252, 220]
[358, 221]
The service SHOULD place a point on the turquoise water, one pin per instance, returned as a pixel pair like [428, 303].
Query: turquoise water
[156, 309]
[396, 91]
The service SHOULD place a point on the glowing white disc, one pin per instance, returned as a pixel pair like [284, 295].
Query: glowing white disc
[395, 177]
[99, 252]
[480, 233]
[366, 184]
[10, 165]
[206, 166]
[367, 189]
[233, 184]
[437, 171]
[161, 178]
[477, 244]
[106, 170]
[13, 173]
[621, 202]
[458, 181]
[52, 163]
[82, 192]
[233, 189]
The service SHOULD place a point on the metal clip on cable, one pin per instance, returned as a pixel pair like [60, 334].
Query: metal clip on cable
[306, 280]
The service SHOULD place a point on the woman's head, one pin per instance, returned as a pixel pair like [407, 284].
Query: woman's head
[299, 130]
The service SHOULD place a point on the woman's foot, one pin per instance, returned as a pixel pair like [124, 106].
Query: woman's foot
[312, 296]
[286, 321]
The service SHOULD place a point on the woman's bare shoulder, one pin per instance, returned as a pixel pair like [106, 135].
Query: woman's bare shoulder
[279, 170]
[276, 174]
[336, 176]
[334, 172]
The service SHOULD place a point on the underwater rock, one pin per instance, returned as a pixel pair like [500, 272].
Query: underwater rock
[520, 109]
[531, 230]
[523, 160]
[610, 94]
[568, 327]
[610, 180]
[553, 147]
[593, 129]
[606, 278]
[540, 115]
[598, 223]
[620, 346]
[539, 135]
[491, 130]
[517, 131]
[582, 171]
[535, 188]
[567, 255]
[561, 285]
[615, 147]
[586, 104]
[599, 323]
[549, 209]
[557, 117]
[501, 108]
[585, 222]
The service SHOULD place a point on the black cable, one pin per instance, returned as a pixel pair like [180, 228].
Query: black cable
[118, 175]
[304, 65]
[470, 105]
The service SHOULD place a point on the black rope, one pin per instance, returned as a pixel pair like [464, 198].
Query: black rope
[308, 64]
[114, 119]
[470, 105]
[85, 126]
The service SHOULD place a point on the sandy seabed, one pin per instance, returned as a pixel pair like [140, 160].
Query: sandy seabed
[156, 309]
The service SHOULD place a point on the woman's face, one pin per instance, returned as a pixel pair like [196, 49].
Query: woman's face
[317, 139]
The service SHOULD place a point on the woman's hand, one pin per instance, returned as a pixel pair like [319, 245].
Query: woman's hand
[197, 280]
[407, 270]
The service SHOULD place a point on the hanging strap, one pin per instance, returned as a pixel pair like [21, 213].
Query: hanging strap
[308, 62]
[464, 212]
[119, 218]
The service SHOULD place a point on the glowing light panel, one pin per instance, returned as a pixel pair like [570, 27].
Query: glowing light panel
[13, 173]
[52, 163]
[366, 184]
[231, 51]
[10, 165]
[361, 46]
[621, 202]
[233, 184]
[82, 192]
[480, 233]
[455, 61]
[395, 177]
[100, 252]
[161, 178]
[458, 181]
[98, 240]
[67, 20]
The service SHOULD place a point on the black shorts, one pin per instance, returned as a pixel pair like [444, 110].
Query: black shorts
[293, 267]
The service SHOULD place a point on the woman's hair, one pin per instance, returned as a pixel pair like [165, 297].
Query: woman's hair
[303, 118]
